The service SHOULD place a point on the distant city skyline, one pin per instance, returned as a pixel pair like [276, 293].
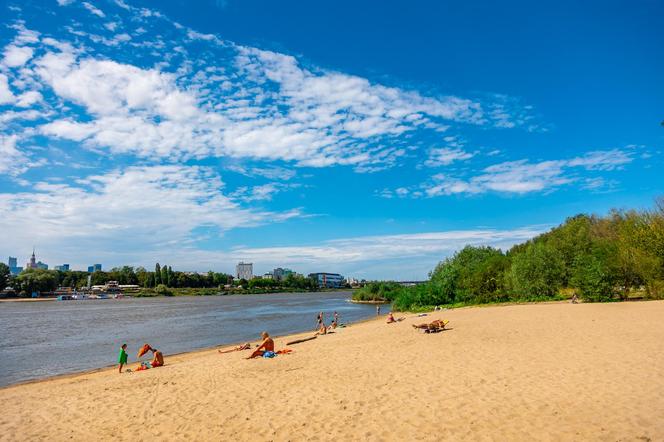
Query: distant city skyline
[367, 139]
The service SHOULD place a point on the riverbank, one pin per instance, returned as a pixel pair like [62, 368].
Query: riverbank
[520, 372]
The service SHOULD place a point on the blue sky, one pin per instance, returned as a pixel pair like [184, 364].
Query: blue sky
[371, 139]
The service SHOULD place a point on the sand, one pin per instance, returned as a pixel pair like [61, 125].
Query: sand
[520, 372]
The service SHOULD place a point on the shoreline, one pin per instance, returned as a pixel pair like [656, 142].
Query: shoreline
[109, 367]
[133, 296]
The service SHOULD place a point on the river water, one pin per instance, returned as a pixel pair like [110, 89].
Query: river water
[40, 339]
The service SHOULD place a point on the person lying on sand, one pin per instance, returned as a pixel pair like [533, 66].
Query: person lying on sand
[246, 346]
[266, 345]
[436, 325]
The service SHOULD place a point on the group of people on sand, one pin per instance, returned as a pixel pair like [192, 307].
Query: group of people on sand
[157, 358]
[321, 328]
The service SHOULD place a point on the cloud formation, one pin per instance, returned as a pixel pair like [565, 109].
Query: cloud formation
[145, 208]
[227, 100]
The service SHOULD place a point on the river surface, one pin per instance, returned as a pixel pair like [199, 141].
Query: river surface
[41, 339]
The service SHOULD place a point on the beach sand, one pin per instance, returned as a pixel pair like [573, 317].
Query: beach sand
[519, 372]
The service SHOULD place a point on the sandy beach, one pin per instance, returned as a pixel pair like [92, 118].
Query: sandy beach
[519, 372]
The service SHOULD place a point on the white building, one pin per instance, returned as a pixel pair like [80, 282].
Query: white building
[244, 270]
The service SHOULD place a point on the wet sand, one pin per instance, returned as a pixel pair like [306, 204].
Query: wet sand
[518, 372]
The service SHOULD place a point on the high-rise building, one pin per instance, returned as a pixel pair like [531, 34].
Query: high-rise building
[329, 280]
[14, 269]
[280, 274]
[244, 270]
[63, 268]
[32, 264]
[97, 267]
[91, 269]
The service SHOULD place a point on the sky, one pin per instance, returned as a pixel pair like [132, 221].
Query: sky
[371, 139]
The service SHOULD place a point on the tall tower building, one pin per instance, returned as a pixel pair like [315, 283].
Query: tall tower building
[244, 270]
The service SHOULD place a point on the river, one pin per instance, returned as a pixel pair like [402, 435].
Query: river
[41, 339]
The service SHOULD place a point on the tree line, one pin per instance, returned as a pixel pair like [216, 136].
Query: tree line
[40, 280]
[598, 258]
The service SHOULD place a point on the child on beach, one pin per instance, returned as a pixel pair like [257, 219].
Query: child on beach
[122, 357]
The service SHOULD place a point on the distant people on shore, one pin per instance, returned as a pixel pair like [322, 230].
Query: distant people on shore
[319, 320]
[378, 310]
[336, 318]
[157, 358]
[122, 357]
[266, 346]
[575, 299]
[391, 319]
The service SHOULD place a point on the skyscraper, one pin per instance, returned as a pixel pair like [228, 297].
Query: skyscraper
[244, 270]
[14, 269]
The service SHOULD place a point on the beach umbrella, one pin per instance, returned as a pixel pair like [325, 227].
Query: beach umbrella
[146, 348]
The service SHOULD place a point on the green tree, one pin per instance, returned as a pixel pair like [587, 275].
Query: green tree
[164, 276]
[593, 278]
[157, 275]
[4, 275]
[536, 272]
[37, 280]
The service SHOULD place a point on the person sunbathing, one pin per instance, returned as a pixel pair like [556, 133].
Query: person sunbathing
[266, 345]
[436, 325]
[246, 346]
[157, 358]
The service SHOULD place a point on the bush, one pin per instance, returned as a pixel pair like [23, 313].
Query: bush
[161, 289]
[378, 291]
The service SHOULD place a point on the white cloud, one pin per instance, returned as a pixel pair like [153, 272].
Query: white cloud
[241, 102]
[523, 176]
[603, 159]
[444, 156]
[390, 253]
[93, 9]
[29, 98]
[15, 56]
[12, 161]
[6, 95]
[263, 192]
[140, 208]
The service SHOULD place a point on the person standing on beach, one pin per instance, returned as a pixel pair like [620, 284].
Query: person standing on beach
[319, 320]
[378, 310]
[122, 357]
[336, 318]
